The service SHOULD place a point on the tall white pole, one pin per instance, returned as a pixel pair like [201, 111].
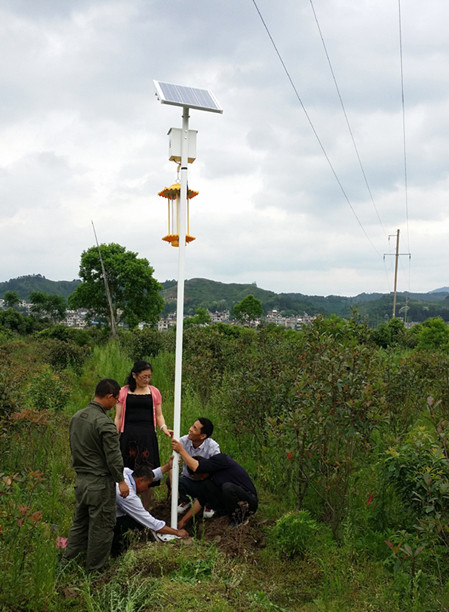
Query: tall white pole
[180, 310]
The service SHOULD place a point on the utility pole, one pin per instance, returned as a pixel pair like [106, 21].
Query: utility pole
[396, 274]
[396, 268]
[106, 286]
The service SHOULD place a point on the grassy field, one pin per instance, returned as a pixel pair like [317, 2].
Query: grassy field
[307, 557]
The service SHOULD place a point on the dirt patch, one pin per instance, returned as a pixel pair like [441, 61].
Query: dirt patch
[247, 537]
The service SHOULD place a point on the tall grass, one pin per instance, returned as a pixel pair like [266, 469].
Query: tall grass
[108, 361]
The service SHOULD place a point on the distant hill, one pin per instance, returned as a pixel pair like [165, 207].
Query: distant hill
[213, 295]
[217, 296]
[24, 285]
[441, 290]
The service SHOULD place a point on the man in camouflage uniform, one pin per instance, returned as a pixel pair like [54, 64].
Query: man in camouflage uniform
[98, 464]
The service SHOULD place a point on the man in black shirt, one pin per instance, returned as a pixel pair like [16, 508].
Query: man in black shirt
[226, 486]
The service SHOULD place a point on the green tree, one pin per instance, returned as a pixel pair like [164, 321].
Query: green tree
[249, 309]
[434, 335]
[11, 299]
[134, 292]
[202, 317]
[391, 333]
[48, 306]
[14, 321]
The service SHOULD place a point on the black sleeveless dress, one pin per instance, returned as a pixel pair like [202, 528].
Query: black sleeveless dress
[138, 442]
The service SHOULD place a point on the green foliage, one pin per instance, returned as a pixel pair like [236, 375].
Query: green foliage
[216, 296]
[10, 395]
[309, 414]
[11, 299]
[130, 596]
[336, 404]
[390, 334]
[194, 570]
[24, 285]
[35, 462]
[293, 533]
[259, 381]
[418, 468]
[248, 310]
[434, 335]
[48, 391]
[205, 358]
[46, 306]
[62, 355]
[354, 330]
[202, 317]
[134, 292]
[212, 295]
[81, 337]
[141, 343]
[409, 379]
[16, 322]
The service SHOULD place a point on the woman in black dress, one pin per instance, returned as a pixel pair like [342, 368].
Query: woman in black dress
[138, 412]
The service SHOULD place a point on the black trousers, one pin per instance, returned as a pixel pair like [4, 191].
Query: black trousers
[120, 541]
[225, 499]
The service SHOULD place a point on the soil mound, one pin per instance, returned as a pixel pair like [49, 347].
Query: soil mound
[248, 536]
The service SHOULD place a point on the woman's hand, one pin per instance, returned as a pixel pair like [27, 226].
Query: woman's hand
[168, 432]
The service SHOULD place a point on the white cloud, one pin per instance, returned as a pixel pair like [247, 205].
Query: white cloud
[82, 137]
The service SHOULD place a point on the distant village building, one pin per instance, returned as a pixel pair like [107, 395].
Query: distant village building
[219, 317]
[26, 306]
[76, 318]
[295, 322]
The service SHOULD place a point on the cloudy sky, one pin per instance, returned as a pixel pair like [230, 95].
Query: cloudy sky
[300, 183]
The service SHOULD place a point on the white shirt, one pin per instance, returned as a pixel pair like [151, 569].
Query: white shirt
[132, 505]
[206, 449]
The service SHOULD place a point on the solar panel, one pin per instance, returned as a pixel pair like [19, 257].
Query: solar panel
[178, 95]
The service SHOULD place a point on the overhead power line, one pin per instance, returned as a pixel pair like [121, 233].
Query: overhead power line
[313, 128]
[346, 116]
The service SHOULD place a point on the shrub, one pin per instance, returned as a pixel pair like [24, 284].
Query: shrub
[47, 391]
[10, 392]
[418, 468]
[142, 344]
[62, 355]
[293, 532]
[14, 321]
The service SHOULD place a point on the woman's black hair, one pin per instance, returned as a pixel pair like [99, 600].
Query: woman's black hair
[138, 367]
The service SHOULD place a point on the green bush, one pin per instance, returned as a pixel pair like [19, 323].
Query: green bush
[81, 337]
[9, 396]
[141, 344]
[418, 468]
[293, 533]
[48, 391]
[14, 321]
[61, 354]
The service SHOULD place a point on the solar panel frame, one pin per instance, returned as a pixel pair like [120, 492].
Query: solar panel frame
[190, 97]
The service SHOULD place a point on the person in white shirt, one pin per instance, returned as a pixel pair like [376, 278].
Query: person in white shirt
[132, 515]
[199, 443]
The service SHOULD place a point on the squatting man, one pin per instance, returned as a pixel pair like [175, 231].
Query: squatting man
[226, 486]
[197, 442]
[131, 514]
